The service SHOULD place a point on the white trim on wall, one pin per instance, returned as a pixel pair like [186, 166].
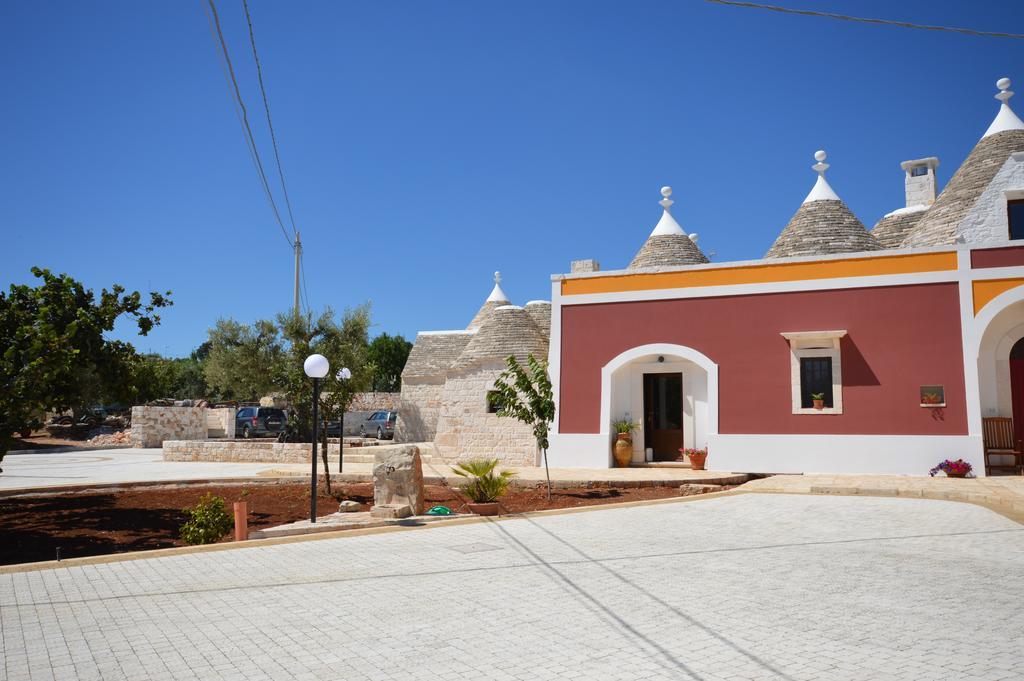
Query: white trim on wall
[851, 454]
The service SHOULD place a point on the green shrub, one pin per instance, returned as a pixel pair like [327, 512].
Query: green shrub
[207, 522]
[484, 484]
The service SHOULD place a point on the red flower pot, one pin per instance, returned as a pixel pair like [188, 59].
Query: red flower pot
[487, 508]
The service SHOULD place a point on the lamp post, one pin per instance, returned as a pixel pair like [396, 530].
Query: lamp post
[316, 367]
[343, 375]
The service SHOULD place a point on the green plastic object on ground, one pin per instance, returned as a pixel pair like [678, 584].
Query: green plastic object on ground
[440, 510]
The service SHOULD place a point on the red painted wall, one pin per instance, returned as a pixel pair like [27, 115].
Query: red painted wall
[997, 257]
[899, 338]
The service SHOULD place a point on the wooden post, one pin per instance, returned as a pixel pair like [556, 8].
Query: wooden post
[241, 521]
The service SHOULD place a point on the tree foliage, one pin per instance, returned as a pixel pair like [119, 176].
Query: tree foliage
[525, 393]
[243, 359]
[387, 356]
[55, 355]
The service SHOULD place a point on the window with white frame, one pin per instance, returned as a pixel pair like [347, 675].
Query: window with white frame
[816, 371]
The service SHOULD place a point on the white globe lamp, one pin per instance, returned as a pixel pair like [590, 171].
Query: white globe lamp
[316, 366]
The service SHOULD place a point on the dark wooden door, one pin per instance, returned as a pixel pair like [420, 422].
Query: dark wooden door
[663, 415]
[1017, 390]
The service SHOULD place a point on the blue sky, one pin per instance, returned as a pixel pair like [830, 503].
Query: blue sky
[426, 145]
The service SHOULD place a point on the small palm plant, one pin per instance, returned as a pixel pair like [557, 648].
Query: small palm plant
[485, 485]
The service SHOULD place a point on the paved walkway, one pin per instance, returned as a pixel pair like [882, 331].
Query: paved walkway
[751, 586]
[116, 466]
[1004, 494]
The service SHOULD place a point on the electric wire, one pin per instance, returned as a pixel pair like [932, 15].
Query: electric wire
[240, 103]
[266, 109]
[866, 20]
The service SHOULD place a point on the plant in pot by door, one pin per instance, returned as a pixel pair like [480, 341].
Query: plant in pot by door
[697, 457]
[485, 486]
[623, 449]
[818, 400]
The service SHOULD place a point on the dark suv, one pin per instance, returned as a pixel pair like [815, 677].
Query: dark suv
[259, 422]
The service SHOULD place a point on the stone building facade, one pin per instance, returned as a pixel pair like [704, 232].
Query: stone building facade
[450, 374]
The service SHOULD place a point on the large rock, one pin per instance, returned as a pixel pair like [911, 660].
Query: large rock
[398, 479]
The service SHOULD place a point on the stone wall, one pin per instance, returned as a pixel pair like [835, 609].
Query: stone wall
[466, 431]
[986, 222]
[419, 410]
[266, 451]
[221, 422]
[151, 426]
[369, 402]
[257, 451]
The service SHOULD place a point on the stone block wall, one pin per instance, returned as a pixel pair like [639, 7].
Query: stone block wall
[466, 431]
[220, 422]
[254, 451]
[151, 426]
[419, 410]
[375, 402]
[987, 222]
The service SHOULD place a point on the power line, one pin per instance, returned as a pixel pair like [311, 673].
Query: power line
[865, 20]
[240, 103]
[266, 108]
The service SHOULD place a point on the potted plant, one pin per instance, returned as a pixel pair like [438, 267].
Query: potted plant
[697, 457]
[818, 400]
[952, 469]
[485, 486]
[623, 450]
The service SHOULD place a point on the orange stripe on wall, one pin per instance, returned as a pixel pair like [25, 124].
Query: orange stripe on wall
[985, 291]
[762, 274]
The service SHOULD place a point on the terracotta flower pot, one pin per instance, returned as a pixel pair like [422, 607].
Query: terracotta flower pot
[623, 451]
[697, 461]
[485, 508]
[956, 475]
[819, 404]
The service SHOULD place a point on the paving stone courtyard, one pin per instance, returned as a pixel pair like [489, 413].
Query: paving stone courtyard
[755, 586]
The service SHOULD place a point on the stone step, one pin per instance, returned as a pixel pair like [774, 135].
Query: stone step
[368, 457]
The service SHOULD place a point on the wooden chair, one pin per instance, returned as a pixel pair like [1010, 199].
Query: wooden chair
[997, 432]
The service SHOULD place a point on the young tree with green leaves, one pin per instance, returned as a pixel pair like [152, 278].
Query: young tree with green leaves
[54, 355]
[525, 394]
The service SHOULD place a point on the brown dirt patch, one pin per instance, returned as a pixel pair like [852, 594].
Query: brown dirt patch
[97, 523]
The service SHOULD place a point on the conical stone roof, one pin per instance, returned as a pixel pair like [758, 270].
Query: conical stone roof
[540, 313]
[939, 225]
[508, 330]
[893, 228]
[496, 299]
[823, 224]
[668, 245]
[434, 352]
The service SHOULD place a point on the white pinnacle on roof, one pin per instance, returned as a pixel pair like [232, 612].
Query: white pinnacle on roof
[497, 295]
[1005, 119]
[821, 190]
[667, 224]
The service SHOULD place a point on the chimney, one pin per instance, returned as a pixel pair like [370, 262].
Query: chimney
[584, 266]
[920, 181]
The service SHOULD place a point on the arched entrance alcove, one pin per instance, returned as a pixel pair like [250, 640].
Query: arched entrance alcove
[670, 391]
[999, 329]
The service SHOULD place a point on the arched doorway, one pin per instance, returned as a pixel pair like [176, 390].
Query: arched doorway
[1017, 388]
[669, 391]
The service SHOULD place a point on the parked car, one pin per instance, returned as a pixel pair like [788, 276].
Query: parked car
[380, 424]
[259, 422]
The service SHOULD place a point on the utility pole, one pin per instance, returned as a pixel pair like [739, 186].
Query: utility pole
[298, 256]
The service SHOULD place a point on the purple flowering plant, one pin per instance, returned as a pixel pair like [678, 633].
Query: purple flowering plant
[952, 468]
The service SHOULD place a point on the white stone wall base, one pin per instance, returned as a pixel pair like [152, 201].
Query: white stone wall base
[849, 454]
